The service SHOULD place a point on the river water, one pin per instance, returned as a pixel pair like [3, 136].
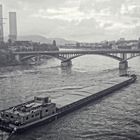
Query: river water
[115, 117]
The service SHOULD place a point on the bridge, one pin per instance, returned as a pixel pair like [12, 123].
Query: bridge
[122, 55]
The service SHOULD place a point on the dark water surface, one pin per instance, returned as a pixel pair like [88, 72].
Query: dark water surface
[115, 117]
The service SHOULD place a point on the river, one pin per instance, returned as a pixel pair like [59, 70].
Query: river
[115, 117]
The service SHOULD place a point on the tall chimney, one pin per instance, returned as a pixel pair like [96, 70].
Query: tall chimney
[1, 25]
[12, 26]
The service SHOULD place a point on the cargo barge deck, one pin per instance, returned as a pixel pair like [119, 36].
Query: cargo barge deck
[41, 110]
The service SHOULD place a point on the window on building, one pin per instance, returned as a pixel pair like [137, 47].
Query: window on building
[12, 117]
[7, 115]
[27, 118]
[46, 110]
[53, 112]
[36, 114]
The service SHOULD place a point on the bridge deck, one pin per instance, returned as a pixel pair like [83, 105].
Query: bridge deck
[78, 52]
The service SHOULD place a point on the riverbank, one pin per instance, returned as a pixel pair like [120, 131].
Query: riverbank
[7, 48]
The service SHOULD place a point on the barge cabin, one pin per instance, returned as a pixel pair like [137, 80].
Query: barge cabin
[29, 112]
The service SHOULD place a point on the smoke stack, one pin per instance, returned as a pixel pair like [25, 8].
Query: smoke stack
[12, 26]
[1, 25]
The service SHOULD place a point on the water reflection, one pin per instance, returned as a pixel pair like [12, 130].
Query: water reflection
[66, 70]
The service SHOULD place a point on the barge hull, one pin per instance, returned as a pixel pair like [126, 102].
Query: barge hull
[71, 107]
[78, 104]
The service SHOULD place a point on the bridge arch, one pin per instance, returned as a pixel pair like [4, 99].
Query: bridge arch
[66, 58]
[24, 58]
[132, 57]
[102, 54]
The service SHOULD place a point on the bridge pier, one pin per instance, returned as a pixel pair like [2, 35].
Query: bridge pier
[66, 63]
[17, 58]
[37, 59]
[123, 65]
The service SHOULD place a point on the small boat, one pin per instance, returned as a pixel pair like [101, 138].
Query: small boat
[41, 110]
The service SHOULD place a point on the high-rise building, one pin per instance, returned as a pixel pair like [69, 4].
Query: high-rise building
[12, 26]
[1, 25]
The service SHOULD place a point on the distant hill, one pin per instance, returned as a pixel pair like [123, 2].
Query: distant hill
[42, 39]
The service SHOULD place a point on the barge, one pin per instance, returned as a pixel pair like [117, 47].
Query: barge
[41, 110]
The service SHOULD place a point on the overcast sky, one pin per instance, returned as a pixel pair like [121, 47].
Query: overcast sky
[81, 20]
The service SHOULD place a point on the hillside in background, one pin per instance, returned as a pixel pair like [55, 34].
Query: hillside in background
[41, 39]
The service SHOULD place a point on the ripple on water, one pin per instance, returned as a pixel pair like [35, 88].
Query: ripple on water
[115, 117]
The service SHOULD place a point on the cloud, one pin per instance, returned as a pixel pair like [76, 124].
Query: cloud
[33, 3]
[76, 19]
[131, 10]
[68, 14]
